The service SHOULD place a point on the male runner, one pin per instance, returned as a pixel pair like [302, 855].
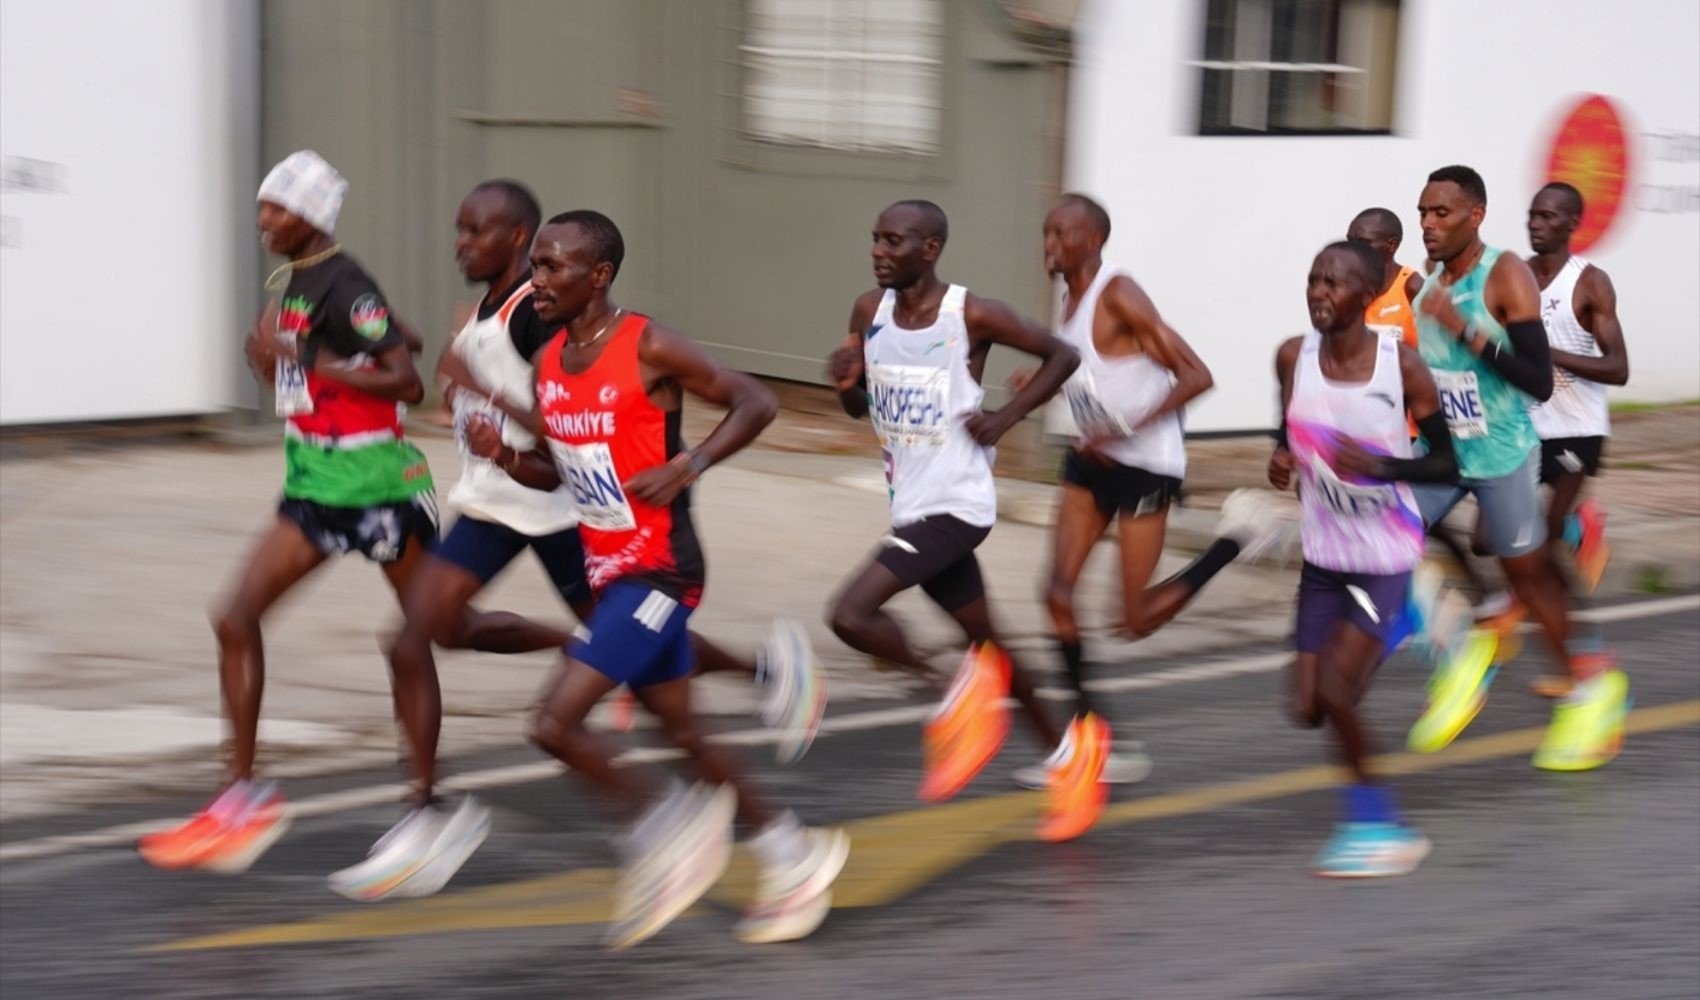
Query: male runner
[1345, 392]
[1579, 311]
[1478, 323]
[1390, 312]
[912, 362]
[353, 483]
[1135, 378]
[609, 390]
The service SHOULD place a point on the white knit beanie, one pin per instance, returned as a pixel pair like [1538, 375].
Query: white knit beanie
[308, 186]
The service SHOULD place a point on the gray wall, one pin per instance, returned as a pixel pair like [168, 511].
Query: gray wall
[754, 249]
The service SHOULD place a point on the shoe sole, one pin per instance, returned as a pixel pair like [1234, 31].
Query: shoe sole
[437, 872]
[658, 917]
[1410, 860]
[240, 861]
[793, 926]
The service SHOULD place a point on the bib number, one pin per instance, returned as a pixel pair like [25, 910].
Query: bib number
[1461, 404]
[587, 470]
[910, 405]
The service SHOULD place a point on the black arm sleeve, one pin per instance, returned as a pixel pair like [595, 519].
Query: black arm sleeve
[1528, 365]
[1440, 465]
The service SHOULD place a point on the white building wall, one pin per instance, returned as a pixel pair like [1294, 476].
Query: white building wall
[1221, 230]
[128, 133]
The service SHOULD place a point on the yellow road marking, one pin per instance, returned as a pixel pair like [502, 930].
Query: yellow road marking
[891, 855]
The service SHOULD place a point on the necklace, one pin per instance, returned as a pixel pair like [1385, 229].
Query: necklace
[605, 326]
[291, 266]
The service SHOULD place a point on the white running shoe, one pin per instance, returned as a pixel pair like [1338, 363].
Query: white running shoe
[397, 856]
[462, 832]
[792, 900]
[669, 876]
[796, 690]
[1256, 520]
[1127, 764]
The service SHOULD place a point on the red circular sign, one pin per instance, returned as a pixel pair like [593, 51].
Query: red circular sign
[1591, 153]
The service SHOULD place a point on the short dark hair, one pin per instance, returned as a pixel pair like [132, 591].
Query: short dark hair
[1570, 193]
[1468, 180]
[935, 224]
[522, 207]
[1385, 219]
[1370, 266]
[605, 237]
[1095, 213]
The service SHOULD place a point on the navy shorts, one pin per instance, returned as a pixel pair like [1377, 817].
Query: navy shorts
[485, 548]
[1372, 602]
[638, 636]
[379, 532]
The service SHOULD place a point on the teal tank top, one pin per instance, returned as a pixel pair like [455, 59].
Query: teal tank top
[1488, 416]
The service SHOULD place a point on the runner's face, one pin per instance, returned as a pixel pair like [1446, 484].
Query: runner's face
[1335, 293]
[486, 239]
[1449, 220]
[900, 254]
[282, 232]
[1366, 231]
[1550, 222]
[1069, 239]
[565, 275]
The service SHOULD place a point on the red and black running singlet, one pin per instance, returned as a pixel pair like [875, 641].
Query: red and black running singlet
[603, 429]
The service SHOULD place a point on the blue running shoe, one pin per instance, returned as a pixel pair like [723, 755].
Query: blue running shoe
[1371, 850]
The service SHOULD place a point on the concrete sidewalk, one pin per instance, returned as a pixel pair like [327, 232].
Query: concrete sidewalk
[112, 555]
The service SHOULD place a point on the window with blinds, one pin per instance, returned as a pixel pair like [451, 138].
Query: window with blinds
[856, 75]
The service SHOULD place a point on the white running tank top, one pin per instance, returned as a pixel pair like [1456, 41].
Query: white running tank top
[1107, 397]
[920, 395]
[1365, 526]
[485, 491]
[1577, 407]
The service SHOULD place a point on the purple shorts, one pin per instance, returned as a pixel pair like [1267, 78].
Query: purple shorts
[1371, 602]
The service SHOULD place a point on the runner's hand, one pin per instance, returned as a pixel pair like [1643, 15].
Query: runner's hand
[987, 429]
[660, 485]
[453, 367]
[483, 437]
[846, 365]
[1352, 459]
[261, 345]
[1438, 306]
[1281, 465]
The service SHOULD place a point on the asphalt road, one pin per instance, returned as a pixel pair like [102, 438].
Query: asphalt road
[1195, 884]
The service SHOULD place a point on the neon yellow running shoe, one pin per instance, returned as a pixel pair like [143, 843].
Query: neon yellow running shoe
[1457, 692]
[1587, 727]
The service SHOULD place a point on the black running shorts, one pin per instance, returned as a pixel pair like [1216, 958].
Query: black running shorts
[937, 554]
[1120, 489]
[1562, 457]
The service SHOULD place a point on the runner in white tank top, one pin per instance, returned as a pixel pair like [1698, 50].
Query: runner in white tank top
[912, 363]
[1135, 377]
[1579, 310]
[1345, 390]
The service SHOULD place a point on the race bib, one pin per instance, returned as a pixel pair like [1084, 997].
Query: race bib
[290, 384]
[1391, 332]
[909, 404]
[1461, 404]
[1350, 500]
[587, 470]
[1091, 416]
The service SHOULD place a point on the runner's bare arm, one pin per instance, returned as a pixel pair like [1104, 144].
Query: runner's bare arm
[847, 365]
[261, 344]
[392, 376]
[410, 336]
[1281, 462]
[993, 321]
[454, 369]
[1599, 302]
[1515, 300]
[1129, 304]
[750, 407]
[1413, 285]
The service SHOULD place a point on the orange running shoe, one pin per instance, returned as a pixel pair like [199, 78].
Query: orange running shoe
[624, 710]
[970, 725]
[1077, 791]
[1592, 550]
[248, 833]
[187, 844]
